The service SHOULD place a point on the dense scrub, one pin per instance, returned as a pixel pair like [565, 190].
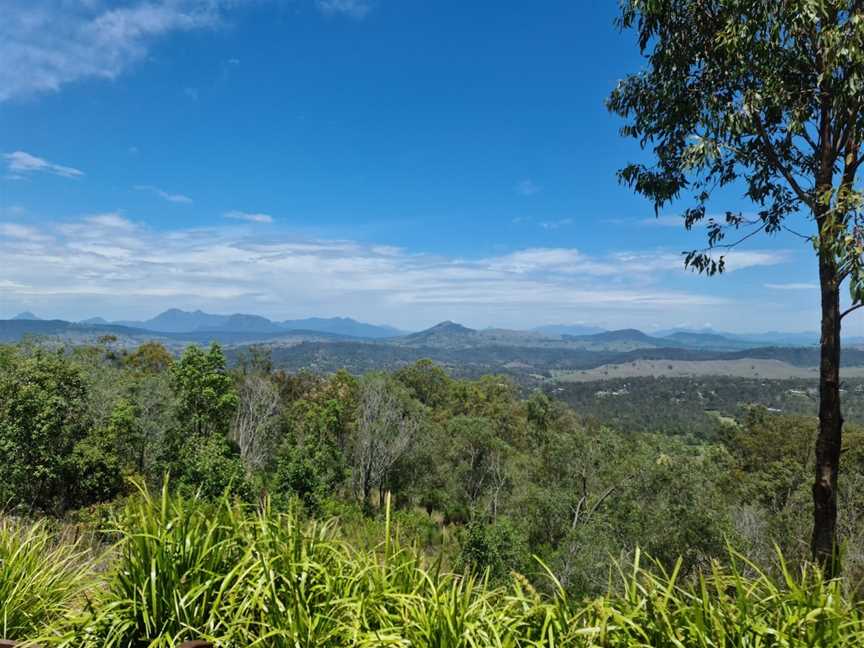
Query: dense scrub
[482, 475]
[689, 406]
[246, 576]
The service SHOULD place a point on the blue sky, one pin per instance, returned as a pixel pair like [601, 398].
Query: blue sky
[397, 161]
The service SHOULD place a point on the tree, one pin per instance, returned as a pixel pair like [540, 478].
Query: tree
[477, 459]
[211, 467]
[498, 548]
[428, 382]
[254, 420]
[386, 431]
[44, 427]
[205, 392]
[768, 95]
[150, 357]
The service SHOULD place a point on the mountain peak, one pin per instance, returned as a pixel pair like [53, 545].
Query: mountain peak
[449, 327]
[443, 334]
[26, 315]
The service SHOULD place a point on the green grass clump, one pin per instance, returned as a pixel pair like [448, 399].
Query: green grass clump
[240, 577]
[41, 579]
[723, 609]
[174, 568]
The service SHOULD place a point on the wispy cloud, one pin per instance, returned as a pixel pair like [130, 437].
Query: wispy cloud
[21, 232]
[791, 286]
[110, 260]
[20, 163]
[249, 217]
[110, 220]
[527, 187]
[170, 197]
[556, 224]
[570, 261]
[191, 93]
[45, 44]
[353, 8]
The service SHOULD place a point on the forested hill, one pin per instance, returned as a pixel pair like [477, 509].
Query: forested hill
[530, 355]
[522, 360]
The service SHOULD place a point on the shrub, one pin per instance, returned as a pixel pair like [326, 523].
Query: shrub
[41, 578]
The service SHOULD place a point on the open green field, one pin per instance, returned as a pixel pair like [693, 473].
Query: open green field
[738, 368]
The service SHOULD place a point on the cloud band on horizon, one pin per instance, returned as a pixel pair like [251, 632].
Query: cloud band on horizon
[106, 258]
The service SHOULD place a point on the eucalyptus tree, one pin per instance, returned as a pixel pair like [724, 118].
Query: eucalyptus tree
[387, 430]
[766, 95]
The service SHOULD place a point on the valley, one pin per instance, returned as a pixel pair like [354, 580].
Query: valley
[530, 357]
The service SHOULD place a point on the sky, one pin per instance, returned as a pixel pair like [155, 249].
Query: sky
[396, 161]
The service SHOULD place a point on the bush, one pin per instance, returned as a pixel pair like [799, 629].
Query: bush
[210, 467]
[41, 578]
[240, 578]
[498, 548]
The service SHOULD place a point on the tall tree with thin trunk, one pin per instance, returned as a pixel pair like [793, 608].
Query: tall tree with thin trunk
[765, 95]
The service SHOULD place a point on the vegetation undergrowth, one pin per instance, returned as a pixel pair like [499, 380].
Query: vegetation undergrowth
[238, 575]
[41, 577]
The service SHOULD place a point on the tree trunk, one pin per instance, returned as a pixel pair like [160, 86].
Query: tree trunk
[828, 443]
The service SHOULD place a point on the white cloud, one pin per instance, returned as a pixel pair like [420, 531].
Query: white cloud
[353, 8]
[19, 163]
[249, 217]
[175, 198]
[111, 220]
[557, 224]
[45, 44]
[570, 261]
[109, 265]
[21, 232]
[112, 263]
[791, 286]
[527, 187]
[740, 259]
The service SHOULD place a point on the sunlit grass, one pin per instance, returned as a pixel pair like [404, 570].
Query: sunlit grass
[41, 578]
[240, 577]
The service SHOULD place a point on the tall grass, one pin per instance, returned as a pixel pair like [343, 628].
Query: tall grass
[185, 569]
[41, 579]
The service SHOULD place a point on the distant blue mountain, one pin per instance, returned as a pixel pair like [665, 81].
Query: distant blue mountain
[776, 338]
[621, 335]
[568, 329]
[175, 320]
[342, 326]
[241, 324]
[27, 315]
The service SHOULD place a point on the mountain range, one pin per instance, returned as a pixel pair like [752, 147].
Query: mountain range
[327, 344]
[198, 326]
[176, 321]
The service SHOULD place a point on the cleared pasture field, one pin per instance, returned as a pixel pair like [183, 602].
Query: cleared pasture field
[737, 368]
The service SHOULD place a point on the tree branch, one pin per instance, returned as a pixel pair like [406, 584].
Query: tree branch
[778, 166]
[850, 310]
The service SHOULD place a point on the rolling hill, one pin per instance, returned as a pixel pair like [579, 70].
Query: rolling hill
[526, 354]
